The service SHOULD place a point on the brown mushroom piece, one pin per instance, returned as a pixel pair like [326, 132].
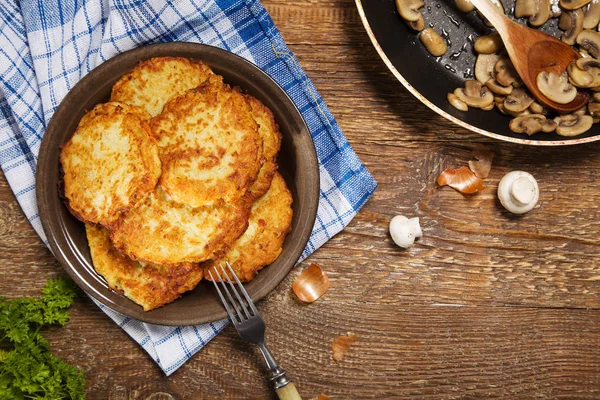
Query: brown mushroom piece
[532, 123]
[456, 102]
[484, 67]
[497, 88]
[592, 15]
[590, 41]
[537, 108]
[594, 109]
[433, 42]
[596, 97]
[584, 73]
[505, 72]
[538, 11]
[488, 44]
[464, 5]
[516, 102]
[571, 23]
[475, 95]
[573, 125]
[556, 87]
[409, 9]
[417, 25]
[573, 4]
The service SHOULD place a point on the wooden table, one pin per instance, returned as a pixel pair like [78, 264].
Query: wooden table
[485, 305]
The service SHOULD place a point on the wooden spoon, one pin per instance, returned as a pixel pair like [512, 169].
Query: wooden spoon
[532, 52]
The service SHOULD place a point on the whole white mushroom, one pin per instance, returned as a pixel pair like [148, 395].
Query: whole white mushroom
[518, 192]
[404, 231]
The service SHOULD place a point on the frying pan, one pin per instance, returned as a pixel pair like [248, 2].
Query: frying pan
[430, 78]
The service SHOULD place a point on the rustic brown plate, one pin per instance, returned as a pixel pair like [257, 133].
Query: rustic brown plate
[297, 160]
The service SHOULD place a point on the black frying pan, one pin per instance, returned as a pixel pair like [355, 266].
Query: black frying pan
[430, 78]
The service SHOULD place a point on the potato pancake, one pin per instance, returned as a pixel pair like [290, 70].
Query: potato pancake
[164, 232]
[150, 286]
[152, 83]
[261, 244]
[209, 144]
[271, 142]
[110, 164]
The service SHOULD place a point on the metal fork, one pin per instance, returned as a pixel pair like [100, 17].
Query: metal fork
[251, 327]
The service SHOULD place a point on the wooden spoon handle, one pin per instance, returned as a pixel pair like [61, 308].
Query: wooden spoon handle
[492, 13]
[288, 392]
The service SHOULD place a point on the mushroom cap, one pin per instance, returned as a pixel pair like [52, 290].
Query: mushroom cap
[505, 72]
[525, 8]
[592, 15]
[572, 124]
[542, 13]
[402, 231]
[488, 44]
[464, 5]
[518, 192]
[556, 87]
[475, 95]
[497, 88]
[456, 102]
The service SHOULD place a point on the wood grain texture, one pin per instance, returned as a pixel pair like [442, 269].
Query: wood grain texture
[485, 305]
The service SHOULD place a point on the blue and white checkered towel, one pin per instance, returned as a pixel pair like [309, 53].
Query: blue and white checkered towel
[47, 46]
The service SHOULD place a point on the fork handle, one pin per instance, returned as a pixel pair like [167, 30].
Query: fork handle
[288, 392]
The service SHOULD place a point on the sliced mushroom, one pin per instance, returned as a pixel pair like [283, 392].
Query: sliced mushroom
[484, 67]
[517, 102]
[572, 23]
[590, 41]
[488, 44]
[456, 102]
[497, 88]
[592, 15]
[573, 4]
[537, 108]
[409, 9]
[594, 109]
[596, 97]
[556, 87]
[464, 5]
[583, 74]
[538, 11]
[417, 25]
[531, 124]
[581, 110]
[433, 42]
[505, 72]
[572, 124]
[475, 95]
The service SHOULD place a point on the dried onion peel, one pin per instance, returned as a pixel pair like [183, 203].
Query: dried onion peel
[461, 179]
[323, 396]
[482, 164]
[311, 284]
[341, 345]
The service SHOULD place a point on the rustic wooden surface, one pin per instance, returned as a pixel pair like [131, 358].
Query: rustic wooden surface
[486, 305]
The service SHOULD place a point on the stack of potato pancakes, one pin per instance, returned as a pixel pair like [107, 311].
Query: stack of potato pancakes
[177, 173]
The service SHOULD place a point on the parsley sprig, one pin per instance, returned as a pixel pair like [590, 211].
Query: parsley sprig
[29, 370]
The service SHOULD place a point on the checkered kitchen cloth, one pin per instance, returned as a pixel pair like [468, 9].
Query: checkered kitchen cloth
[46, 46]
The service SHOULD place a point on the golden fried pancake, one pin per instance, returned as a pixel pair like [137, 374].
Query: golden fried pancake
[152, 83]
[261, 244]
[209, 145]
[271, 142]
[164, 232]
[110, 164]
[150, 286]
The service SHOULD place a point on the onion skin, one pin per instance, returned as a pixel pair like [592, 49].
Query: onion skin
[461, 179]
[311, 284]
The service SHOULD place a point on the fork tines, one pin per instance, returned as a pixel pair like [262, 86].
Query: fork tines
[244, 304]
